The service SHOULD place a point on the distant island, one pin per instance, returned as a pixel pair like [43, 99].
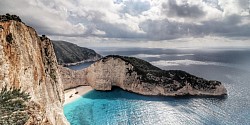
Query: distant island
[70, 54]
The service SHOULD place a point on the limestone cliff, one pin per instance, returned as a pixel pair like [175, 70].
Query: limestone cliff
[28, 62]
[141, 77]
[73, 78]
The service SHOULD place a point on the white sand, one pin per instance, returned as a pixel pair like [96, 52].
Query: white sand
[70, 95]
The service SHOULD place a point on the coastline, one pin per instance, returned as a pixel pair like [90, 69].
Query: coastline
[72, 94]
[80, 62]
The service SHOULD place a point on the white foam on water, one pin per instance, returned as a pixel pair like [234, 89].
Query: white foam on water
[185, 62]
[146, 55]
[190, 54]
[158, 56]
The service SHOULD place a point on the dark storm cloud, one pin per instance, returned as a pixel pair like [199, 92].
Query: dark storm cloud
[185, 10]
[165, 29]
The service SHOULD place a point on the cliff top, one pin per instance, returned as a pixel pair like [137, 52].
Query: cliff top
[138, 63]
[143, 67]
[8, 17]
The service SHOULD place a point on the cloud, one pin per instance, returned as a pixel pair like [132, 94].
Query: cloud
[239, 7]
[139, 20]
[229, 26]
[46, 19]
[135, 7]
[186, 10]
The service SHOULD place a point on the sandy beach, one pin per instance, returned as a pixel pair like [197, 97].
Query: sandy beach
[72, 94]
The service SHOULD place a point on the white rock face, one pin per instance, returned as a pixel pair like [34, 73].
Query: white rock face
[29, 63]
[72, 78]
[113, 72]
[102, 75]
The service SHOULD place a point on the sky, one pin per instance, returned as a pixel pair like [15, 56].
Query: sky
[138, 23]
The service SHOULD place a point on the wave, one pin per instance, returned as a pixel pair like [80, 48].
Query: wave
[158, 56]
[185, 62]
[146, 56]
[185, 54]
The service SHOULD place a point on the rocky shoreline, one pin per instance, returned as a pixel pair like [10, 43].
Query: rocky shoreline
[78, 63]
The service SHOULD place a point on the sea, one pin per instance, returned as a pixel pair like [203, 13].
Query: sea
[117, 107]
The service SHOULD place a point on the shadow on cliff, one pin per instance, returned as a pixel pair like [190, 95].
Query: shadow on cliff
[117, 93]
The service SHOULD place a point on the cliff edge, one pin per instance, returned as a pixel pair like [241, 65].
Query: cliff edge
[29, 62]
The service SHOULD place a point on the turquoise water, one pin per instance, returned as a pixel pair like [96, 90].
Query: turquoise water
[118, 107]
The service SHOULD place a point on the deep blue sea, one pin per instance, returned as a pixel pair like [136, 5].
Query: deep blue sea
[118, 107]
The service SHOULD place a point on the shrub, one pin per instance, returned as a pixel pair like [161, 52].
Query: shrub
[7, 17]
[13, 106]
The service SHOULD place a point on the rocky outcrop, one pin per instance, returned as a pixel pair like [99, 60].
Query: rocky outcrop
[141, 77]
[71, 54]
[73, 78]
[29, 63]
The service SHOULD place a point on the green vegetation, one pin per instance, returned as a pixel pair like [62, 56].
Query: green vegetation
[13, 106]
[71, 53]
[139, 64]
[7, 17]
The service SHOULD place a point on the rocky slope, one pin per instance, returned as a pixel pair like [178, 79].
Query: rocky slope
[71, 54]
[29, 62]
[141, 77]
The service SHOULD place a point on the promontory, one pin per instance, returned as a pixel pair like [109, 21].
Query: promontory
[138, 76]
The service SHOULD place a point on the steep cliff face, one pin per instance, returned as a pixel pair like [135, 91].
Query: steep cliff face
[30, 63]
[141, 77]
[71, 54]
[73, 78]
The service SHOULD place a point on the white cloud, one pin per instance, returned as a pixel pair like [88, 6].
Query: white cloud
[46, 18]
[140, 20]
[239, 7]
